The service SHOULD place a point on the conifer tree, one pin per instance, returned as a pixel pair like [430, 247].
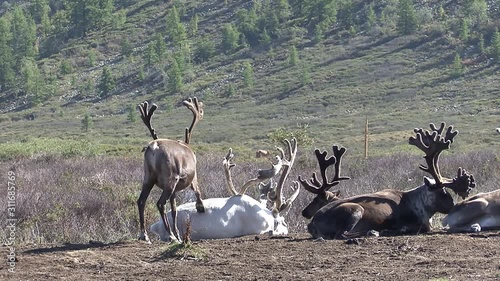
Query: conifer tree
[86, 123]
[464, 30]
[293, 56]
[7, 74]
[174, 78]
[248, 76]
[457, 67]
[230, 37]
[495, 45]
[407, 18]
[106, 83]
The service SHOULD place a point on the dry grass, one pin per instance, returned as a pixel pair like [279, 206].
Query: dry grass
[82, 199]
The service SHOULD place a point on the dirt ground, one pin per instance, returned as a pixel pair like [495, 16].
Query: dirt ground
[291, 257]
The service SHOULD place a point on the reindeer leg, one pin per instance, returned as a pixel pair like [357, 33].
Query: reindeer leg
[199, 203]
[173, 210]
[166, 194]
[351, 214]
[147, 185]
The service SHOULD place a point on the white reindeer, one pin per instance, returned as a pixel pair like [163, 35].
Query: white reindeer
[240, 214]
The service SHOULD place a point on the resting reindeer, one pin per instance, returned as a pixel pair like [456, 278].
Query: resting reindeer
[391, 211]
[239, 214]
[171, 165]
[476, 213]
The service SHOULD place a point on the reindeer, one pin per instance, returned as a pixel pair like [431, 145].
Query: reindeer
[477, 213]
[388, 211]
[171, 165]
[239, 214]
[261, 153]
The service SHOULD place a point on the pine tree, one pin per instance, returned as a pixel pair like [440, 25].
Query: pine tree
[32, 80]
[126, 48]
[174, 78]
[204, 50]
[175, 29]
[441, 13]
[457, 67]
[24, 41]
[86, 123]
[194, 25]
[160, 47]
[131, 114]
[7, 75]
[407, 17]
[106, 83]
[371, 17]
[248, 76]
[481, 44]
[495, 45]
[230, 38]
[150, 55]
[293, 56]
[464, 30]
[283, 10]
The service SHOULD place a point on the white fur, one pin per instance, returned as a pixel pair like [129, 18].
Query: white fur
[230, 217]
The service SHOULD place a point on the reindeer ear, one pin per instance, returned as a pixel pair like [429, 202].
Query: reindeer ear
[429, 182]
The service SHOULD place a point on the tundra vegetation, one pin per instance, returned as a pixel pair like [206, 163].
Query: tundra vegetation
[79, 199]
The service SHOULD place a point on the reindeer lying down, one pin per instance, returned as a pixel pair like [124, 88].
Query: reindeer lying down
[477, 213]
[240, 214]
[389, 211]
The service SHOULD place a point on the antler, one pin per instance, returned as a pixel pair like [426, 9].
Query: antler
[288, 161]
[314, 185]
[432, 143]
[262, 175]
[146, 114]
[462, 184]
[227, 164]
[197, 108]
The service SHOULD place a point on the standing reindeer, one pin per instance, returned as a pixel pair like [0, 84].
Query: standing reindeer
[391, 211]
[239, 214]
[171, 165]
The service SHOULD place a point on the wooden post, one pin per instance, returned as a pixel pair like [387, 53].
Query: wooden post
[366, 138]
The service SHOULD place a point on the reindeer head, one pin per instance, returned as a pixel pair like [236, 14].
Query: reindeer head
[323, 196]
[432, 143]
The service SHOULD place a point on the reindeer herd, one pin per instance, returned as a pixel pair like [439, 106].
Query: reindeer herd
[171, 165]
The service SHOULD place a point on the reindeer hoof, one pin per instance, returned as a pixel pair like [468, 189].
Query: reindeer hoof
[145, 238]
[475, 228]
[373, 233]
[200, 208]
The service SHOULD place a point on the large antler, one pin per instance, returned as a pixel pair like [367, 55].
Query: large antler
[146, 114]
[280, 203]
[314, 185]
[262, 175]
[462, 184]
[432, 143]
[197, 108]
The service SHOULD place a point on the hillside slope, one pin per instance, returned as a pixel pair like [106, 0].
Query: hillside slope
[353, 73]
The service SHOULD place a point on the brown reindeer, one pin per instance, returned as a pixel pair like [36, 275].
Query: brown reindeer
[171, 165]
[391, 211]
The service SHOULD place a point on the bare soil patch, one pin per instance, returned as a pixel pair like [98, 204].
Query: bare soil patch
[292, 257]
